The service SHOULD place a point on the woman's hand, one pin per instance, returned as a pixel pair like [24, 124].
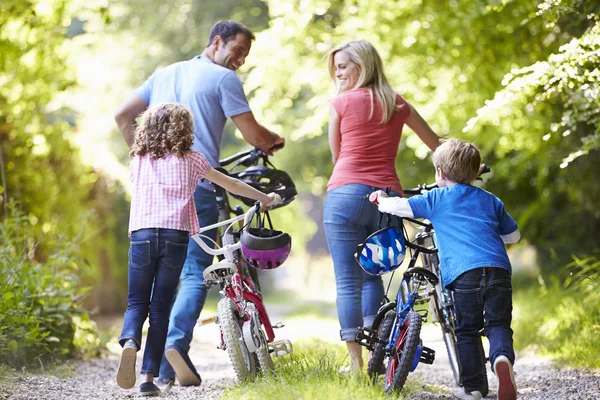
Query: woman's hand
[375, 196]
[275, 200]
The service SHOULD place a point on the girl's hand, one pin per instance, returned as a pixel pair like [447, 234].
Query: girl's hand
[375, 196]
[275, 200]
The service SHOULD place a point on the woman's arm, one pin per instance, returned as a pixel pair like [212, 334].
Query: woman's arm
[422, 129]
[334, 134]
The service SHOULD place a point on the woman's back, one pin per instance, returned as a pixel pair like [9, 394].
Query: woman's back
[368, 149]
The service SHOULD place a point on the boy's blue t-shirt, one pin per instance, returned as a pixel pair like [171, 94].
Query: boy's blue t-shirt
[213, 93]
[468, 222]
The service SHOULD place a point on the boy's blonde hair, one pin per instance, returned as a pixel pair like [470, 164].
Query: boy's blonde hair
[164, 129]
[458, 160]
[371, 75]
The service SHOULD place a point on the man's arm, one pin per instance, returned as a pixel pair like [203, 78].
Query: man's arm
[256, 134]
[126, 115]
[422, 129]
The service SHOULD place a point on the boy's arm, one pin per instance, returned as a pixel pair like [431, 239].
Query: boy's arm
[391, 205]
[512, 237]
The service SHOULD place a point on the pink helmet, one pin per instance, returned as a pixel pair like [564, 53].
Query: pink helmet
[265, 248]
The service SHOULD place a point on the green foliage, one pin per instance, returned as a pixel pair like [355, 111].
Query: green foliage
[309, 372]
[39, 316]
[562, 318]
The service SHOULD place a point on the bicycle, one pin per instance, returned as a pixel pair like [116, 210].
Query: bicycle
[246, 331]
[395, 332]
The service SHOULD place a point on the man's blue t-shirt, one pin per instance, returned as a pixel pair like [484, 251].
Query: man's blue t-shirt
[468, 222]
[213, 93]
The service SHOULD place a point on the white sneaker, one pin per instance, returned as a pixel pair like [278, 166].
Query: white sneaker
[126, 371]
[464, 395]
[507, 389]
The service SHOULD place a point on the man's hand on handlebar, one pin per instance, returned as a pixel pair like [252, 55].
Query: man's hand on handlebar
[278, 145]
[375, 196]
[275, 201]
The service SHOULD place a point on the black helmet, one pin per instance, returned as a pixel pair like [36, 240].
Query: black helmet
[267, 180]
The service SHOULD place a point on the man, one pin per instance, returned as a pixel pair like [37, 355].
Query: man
[209, 87]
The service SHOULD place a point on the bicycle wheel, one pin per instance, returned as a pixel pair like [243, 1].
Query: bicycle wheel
[405, 348]
[265, 363]
[241, 359]
[376, 362]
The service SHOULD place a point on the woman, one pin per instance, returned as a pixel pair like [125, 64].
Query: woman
[365, 125]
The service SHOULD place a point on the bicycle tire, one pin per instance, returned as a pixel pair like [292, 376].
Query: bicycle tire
[242, 360]
[446, 317]
[376, 362]
[265, 362]
[406, 347]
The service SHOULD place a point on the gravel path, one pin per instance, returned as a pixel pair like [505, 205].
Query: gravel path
[536, 377]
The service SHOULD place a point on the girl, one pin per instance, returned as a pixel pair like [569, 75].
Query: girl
[164, 175]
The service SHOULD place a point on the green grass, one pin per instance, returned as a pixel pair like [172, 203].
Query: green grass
[311, 372]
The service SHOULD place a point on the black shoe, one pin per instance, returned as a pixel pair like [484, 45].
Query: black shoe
[149, 389]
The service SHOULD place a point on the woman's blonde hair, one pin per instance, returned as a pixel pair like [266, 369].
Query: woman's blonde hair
[371, 75]
[164, 129]
[458, 160]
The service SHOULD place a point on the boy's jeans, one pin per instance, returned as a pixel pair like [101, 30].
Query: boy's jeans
[192, 293]
[349, 218]
[482, 300]
[156, 257]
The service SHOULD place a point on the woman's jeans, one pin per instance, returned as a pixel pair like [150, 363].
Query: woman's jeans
[482, 300]
[156, 257]
[349, 218]
[192, 292]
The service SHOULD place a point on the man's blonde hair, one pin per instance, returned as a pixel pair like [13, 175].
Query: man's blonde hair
[458, 160]
[164, 129]
[371, 75]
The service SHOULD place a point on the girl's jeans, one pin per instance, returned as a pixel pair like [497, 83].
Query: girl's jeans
[482, 300]
[156, 257]
[349, 218]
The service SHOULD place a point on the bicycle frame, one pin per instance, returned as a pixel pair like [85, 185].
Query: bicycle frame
[235, 284]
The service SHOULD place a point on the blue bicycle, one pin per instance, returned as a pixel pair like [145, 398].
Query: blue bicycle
[396, 329]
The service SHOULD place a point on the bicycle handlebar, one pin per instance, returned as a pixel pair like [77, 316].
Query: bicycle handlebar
[227, 249]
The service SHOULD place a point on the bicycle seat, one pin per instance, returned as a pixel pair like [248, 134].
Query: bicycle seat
[427, 274]
[217, 271]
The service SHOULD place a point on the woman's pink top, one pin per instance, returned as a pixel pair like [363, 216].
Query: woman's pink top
[368, 149]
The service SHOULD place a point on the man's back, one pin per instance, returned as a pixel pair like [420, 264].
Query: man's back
[213, 93]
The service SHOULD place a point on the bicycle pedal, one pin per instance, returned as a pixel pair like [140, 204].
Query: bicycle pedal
[427, 355]
[366, 337]
[280, 348]
[208, 320]
[278, 325]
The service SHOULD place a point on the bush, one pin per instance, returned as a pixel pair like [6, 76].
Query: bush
[39, 316]
[562, 318]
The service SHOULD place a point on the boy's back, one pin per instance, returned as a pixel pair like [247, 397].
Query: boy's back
[469, 224]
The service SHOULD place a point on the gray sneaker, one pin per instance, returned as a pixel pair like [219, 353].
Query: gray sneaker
[464, 395]
[126, 371]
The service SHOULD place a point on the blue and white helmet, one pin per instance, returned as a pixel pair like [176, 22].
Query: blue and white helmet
[382, 252]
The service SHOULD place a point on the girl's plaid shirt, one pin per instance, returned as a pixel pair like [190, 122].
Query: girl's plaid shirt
[162, 193]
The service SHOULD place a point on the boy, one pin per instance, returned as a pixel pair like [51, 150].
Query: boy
[472, 228]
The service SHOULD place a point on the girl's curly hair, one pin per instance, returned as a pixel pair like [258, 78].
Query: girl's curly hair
[164, 129]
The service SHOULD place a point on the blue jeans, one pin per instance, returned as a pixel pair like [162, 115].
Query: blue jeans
[192, 294]
[349, 218]
[483, 300]
[156, 257]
